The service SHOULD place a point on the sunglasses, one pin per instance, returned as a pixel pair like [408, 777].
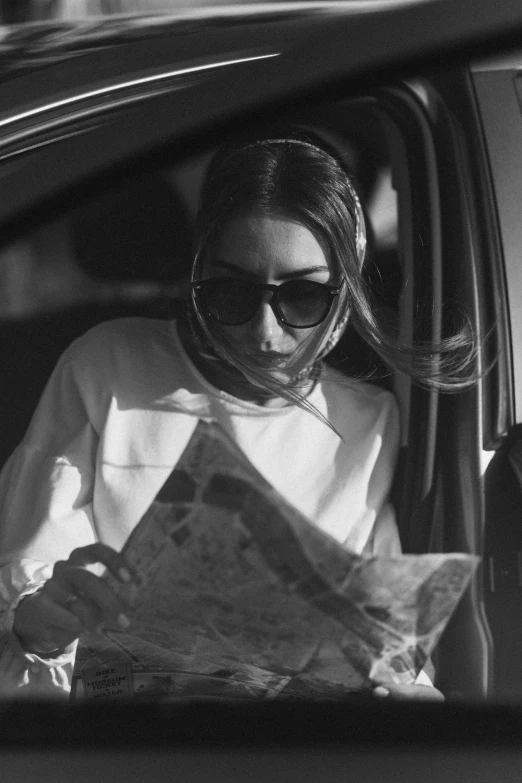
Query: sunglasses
[299, 304]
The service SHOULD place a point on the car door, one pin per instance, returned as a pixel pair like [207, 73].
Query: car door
[65, 150]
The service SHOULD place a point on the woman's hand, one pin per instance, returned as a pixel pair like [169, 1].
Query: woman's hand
[407, 692]
[72, 601]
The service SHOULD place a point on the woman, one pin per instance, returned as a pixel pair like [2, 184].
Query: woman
[280, 242]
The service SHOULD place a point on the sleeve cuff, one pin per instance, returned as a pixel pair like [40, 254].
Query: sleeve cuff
[36, 662]
[28, 676]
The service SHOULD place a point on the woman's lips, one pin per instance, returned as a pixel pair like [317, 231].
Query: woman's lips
[272, 358]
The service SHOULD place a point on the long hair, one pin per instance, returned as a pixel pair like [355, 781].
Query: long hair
[301, 181]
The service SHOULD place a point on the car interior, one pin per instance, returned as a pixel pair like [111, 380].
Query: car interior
[117, 241]
[122, 247]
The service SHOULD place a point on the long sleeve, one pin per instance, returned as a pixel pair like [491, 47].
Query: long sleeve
[46, 490]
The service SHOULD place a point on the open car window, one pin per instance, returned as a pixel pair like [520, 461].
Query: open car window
[122, 244]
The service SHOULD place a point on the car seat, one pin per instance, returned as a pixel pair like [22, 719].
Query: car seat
[139, 233]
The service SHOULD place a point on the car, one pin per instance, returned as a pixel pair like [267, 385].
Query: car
[106, 130]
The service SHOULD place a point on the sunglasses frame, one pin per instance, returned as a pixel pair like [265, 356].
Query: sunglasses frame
[333, 291]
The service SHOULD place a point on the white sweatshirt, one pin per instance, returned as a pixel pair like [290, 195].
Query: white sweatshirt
[112, 423]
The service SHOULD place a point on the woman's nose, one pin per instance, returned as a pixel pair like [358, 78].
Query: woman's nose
[264, 326]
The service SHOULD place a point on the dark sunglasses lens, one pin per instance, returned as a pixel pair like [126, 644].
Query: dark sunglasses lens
[304, 302]
[230, 301]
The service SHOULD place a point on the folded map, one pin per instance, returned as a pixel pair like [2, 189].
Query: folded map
[239, 596]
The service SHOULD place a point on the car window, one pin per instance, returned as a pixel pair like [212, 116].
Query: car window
[114, 238]
[97, 221]
[126, 249]
[128, 246]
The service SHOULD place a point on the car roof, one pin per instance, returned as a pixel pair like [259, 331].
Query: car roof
[341, 33]
[314, 43]
[48, 86]
[29, 46]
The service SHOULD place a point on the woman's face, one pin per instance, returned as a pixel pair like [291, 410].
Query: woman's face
[268, 249]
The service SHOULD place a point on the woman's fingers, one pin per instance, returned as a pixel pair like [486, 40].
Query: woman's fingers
[407, 692]
[101, 553]
[73, 600]
[93, 601]
[43, 626]
[86, 595]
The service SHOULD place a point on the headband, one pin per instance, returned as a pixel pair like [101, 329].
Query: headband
[360, 224]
